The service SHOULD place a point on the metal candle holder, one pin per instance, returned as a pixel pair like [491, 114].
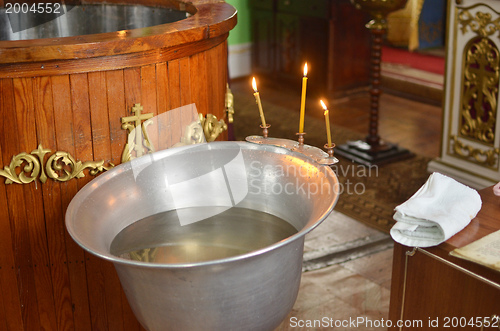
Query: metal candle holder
[315, 153]
[265, 130]
[301, 137]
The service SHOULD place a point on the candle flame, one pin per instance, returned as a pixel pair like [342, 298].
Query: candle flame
[323, 105]
[305, 69]
[254, 84]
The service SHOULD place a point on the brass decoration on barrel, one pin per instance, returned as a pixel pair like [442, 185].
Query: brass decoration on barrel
[212, 127]
[60, 166]
[138, 142]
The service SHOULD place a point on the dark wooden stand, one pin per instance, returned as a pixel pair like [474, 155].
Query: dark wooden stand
[372, 151]
[327, 34]
[433, 287]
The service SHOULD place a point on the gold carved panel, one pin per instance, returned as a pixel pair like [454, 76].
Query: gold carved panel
[24, 168]
[479, 99]
[474, 138]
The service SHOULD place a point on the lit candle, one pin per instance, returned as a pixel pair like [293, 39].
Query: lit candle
[257, 99]
[327, 122]
[303, 100]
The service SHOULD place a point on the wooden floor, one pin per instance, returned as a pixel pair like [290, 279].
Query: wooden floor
[355, 286]
[411, 124]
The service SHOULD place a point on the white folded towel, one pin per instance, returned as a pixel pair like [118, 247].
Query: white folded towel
[441, 208]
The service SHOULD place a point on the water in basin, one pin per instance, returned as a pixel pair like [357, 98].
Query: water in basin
[161, 239]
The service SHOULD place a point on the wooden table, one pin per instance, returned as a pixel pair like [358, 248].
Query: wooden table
[435, 289]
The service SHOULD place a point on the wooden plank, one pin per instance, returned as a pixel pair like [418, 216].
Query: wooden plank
[11, 301]
[96, 270]
[163, 103]
[148, 93]
[83, 152]
[194, 80]
[185, 81]
[100, 122]
[175, 100]
[185, 94]
[63, 125]
[216, 82]
[17, 212]
[25, 111]
[44, 115]
[117, 110]
[132, 78]
[195, 83]
[3, 318]
[219, 84]
[116, 106]
[213, 73]
[108, 281]
[132, 83]
[203, 82]
[225, 77]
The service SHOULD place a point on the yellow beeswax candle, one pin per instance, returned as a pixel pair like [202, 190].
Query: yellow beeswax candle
[303, 100]
[259, 104]
[327, 122]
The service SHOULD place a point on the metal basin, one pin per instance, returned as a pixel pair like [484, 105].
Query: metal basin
[19, 22]
[251, 290]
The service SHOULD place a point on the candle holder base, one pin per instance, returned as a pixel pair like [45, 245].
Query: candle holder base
[330, 159]
[329, 149]
[314, 153]
[301, 137]
[265, 130]
[361, 152]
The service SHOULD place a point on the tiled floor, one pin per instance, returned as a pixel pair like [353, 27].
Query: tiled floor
[351, 294]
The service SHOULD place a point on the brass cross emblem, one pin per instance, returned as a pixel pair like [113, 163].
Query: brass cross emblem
[139, 141]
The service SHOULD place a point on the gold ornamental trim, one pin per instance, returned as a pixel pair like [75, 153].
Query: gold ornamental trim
[212, 127]
[139, 142]
[229, 101]
[25, 168]
[481, 23]
[487, 158]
